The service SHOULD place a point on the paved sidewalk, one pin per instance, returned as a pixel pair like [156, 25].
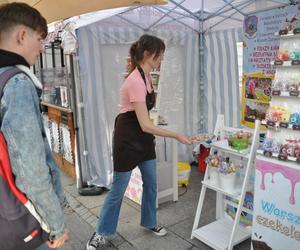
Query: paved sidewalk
[177, 217]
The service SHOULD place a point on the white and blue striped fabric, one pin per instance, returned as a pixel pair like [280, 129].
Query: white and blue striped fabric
[221, 82]
[102, 58]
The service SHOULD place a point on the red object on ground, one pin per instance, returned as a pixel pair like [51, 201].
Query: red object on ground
[203, 153]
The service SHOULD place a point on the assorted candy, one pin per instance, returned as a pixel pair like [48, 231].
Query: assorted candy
[289, 147]
[239, 140]
[289, 51]
[287, 81]
[282, 114]
[202, 137]
[224, 165]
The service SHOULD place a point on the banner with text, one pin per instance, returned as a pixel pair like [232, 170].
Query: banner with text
[260, 48]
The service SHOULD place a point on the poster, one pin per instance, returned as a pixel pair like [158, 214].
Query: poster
[134, 189]
[260, 47]
[276, 222]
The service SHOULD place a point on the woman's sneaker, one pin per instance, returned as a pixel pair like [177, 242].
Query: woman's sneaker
[159, 231]
[95, 242]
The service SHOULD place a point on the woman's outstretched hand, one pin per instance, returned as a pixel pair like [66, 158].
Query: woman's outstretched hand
[183, 139]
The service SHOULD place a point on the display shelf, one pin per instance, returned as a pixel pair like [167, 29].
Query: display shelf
[217, 234]
[257, 101]
[294, 63]
[276, 155]
[279, 125]
[57, 107]
[286, 93]
[223, 146]
[290, 34]
[225, 233]
[291, 163]
[235, 194]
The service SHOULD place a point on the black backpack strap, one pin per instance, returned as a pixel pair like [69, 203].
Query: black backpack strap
[5, 76]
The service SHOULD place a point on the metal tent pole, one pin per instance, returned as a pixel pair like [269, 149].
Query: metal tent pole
[81, 143]
[201, 48]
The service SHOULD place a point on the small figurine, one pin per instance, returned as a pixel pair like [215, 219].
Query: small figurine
[276, 147]
[291, 150]
[267, 145]
[294, 119]
[283, 150]
[297, 151]
[285, 117]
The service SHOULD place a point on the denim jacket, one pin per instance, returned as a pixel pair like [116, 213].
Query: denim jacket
[36, 173]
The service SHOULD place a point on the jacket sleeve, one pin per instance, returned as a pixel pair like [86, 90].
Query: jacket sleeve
[21, 126]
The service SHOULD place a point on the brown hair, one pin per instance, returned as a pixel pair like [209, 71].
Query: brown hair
[14, 14]
[151, 44]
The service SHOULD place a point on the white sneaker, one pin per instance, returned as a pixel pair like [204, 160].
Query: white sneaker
[159, 231]
[95, 242]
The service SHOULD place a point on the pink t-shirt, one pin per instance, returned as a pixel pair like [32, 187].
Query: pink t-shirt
[134, 90]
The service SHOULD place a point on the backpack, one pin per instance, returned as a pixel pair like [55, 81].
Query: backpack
[20, 225]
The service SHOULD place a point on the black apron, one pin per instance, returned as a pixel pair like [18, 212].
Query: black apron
[131, 145]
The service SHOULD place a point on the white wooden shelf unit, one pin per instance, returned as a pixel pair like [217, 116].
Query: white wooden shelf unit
[224, 233]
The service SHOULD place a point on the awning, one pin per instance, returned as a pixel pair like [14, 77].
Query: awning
[54, 10]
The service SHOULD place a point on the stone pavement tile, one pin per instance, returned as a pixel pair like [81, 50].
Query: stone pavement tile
[129, 211]
[132, 203]
[126, 246]
[168, 242]
[184, 230]
[117, 240]
[66, 180]
[126, 211]
[92, 201]
[81, 210]
[96, 210]
[72, 189]
[170, 213]
[130, 228]
[79, 229]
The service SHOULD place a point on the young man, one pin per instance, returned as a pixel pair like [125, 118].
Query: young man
[22, 30]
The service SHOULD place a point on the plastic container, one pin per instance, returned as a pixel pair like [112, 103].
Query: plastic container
[214, 176]
[184, 171]
[227, 182]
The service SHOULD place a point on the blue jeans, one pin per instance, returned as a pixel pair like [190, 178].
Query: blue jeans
[109, 215]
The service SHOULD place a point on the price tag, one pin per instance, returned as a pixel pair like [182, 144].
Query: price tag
[276, 92]
[283, 32]
[282, 157]
[294, 93]
[271, 124]
[296, 31]
[267, 153]
[296, 127]
[278, 62]
[296, 62]
[284, 125]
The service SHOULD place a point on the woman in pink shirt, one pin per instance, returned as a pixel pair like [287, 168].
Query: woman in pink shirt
[133, 142]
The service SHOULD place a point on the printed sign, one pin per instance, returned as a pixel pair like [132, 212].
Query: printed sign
[276, 221]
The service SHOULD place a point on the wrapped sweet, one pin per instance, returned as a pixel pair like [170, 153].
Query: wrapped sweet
[239, 140]
[202, 137]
